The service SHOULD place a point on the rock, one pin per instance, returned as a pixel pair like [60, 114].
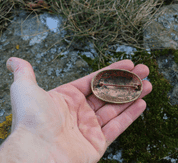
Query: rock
[33, 38]
[169, 69]
[88, 54]
[163, 31]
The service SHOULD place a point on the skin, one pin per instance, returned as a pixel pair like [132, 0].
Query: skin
[67, 123]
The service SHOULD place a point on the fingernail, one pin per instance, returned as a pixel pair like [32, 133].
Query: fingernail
[9, 65]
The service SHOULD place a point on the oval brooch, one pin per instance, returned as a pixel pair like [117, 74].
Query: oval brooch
[116, 86]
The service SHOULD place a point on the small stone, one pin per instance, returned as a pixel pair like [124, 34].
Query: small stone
[53, 50]
[38, 56]
[37, 39]
[58, 71]
[2, 111]
[49, 71]
[88, 54]
[80, 63]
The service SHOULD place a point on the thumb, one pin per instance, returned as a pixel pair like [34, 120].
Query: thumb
[21, 69]
[24, 84]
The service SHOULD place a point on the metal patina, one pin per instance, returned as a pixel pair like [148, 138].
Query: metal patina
[116, 86]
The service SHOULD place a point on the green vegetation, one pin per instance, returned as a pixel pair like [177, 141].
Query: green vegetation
[176, 56]
[96, 64]
[152, 132]
[101, 22]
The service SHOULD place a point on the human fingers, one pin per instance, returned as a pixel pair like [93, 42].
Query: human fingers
[110, 111]
[21, 69]
[84, 84]
[120, 123]
[141, 70]
[24, 77]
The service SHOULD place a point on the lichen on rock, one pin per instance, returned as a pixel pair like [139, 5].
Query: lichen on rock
[5, 127]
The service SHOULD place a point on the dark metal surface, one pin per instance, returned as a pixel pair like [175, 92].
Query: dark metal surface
[116, 86]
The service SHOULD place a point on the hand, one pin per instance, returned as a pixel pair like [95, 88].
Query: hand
[69, 118]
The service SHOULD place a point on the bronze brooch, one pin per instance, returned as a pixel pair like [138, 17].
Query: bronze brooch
[116, 86]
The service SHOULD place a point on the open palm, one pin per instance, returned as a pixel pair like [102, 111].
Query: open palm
[70, 118]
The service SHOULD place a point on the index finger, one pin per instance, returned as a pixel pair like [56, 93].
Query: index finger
[84, 84]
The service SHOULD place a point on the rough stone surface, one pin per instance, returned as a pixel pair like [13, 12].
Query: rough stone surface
[34, 39]
[169, 69]
[163, 31]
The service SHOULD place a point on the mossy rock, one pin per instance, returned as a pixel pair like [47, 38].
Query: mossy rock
[153, 129]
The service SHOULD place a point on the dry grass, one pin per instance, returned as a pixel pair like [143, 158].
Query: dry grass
[108, 22]
[103, 22]
[5, 16]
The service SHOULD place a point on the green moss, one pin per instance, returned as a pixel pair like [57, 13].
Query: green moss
[176, 56]
[5, 126]
[154, 131]
[96, 63]
[166, 52]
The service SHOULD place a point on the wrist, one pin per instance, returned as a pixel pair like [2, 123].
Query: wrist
[23, 146]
